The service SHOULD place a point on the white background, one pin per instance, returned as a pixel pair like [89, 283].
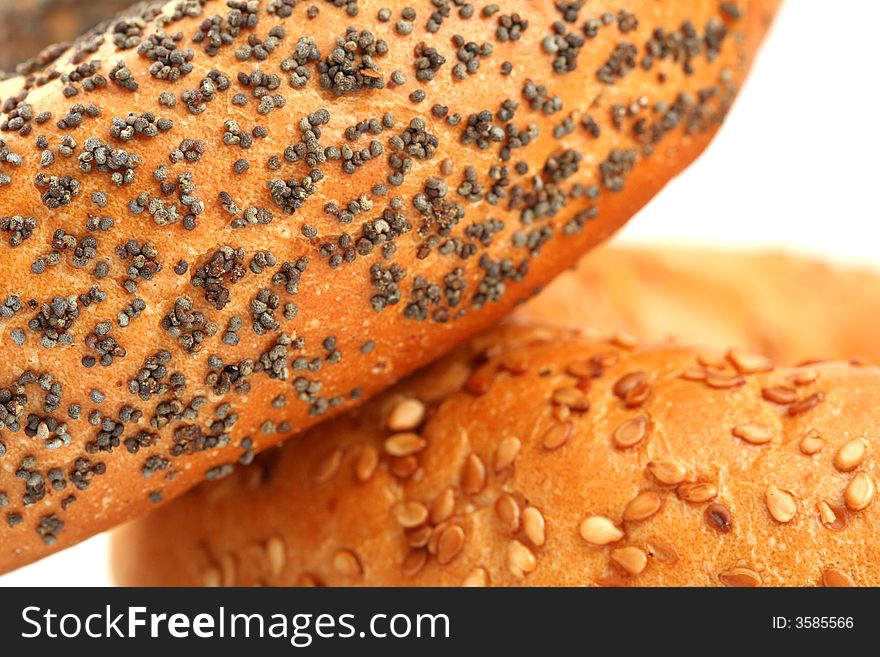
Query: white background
[795, 167]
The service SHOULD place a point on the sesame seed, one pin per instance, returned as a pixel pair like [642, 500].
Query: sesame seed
[533, 526]
[811, 444]
[404, 467]
[478, 383]
[722, 381]
[780, 394]
[860, 492]
[346, 563]
[406, 415]
[520, 560]
[473, 475]
[746, 363]
[276, 555]
[740, 577]
[506, 453]
[835, 577]
[806, 404]
[450, 543]
[850, 455]
[831, 516]
[404, 444]
[696, 492]
[327, 467]
[411, 514]
[804, 377]
[414, 561]
[557, 435]
[366, 463]
[713, 360]
[211, 578]
[753, 433]
[661, 551]
[632, 559]
[781, 504]
[668, 471]
[507, 510]
[477, 578]
[642, 506]
[442, 506]
[632, 389]
[599, 530]
[718, 516]
[420, 537]
[573, 398]
[631, 432]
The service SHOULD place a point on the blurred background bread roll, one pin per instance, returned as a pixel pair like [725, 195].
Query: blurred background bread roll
[790, 307]
[29, 26]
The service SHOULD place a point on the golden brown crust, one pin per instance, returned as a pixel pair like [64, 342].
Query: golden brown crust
[559, 460]
[791, 308]
[340, 314]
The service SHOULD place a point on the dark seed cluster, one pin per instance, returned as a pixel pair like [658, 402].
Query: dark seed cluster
[351, 66]
[141, 261]
[187, 326]
[224, 266]
[168, 62]
[57, 190]
[18, 228]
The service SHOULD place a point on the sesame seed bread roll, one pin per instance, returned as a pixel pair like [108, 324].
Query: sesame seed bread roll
[225, 221]
[790, 307]
[557, 459]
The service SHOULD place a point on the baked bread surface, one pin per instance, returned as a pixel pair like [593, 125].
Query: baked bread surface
[543, 457]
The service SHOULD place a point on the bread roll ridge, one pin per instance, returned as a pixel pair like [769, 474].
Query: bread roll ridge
[548, 457]
[225, 221]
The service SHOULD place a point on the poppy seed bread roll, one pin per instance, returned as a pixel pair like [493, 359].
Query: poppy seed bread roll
[787, 306]
[556, 460]
[226, 220]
